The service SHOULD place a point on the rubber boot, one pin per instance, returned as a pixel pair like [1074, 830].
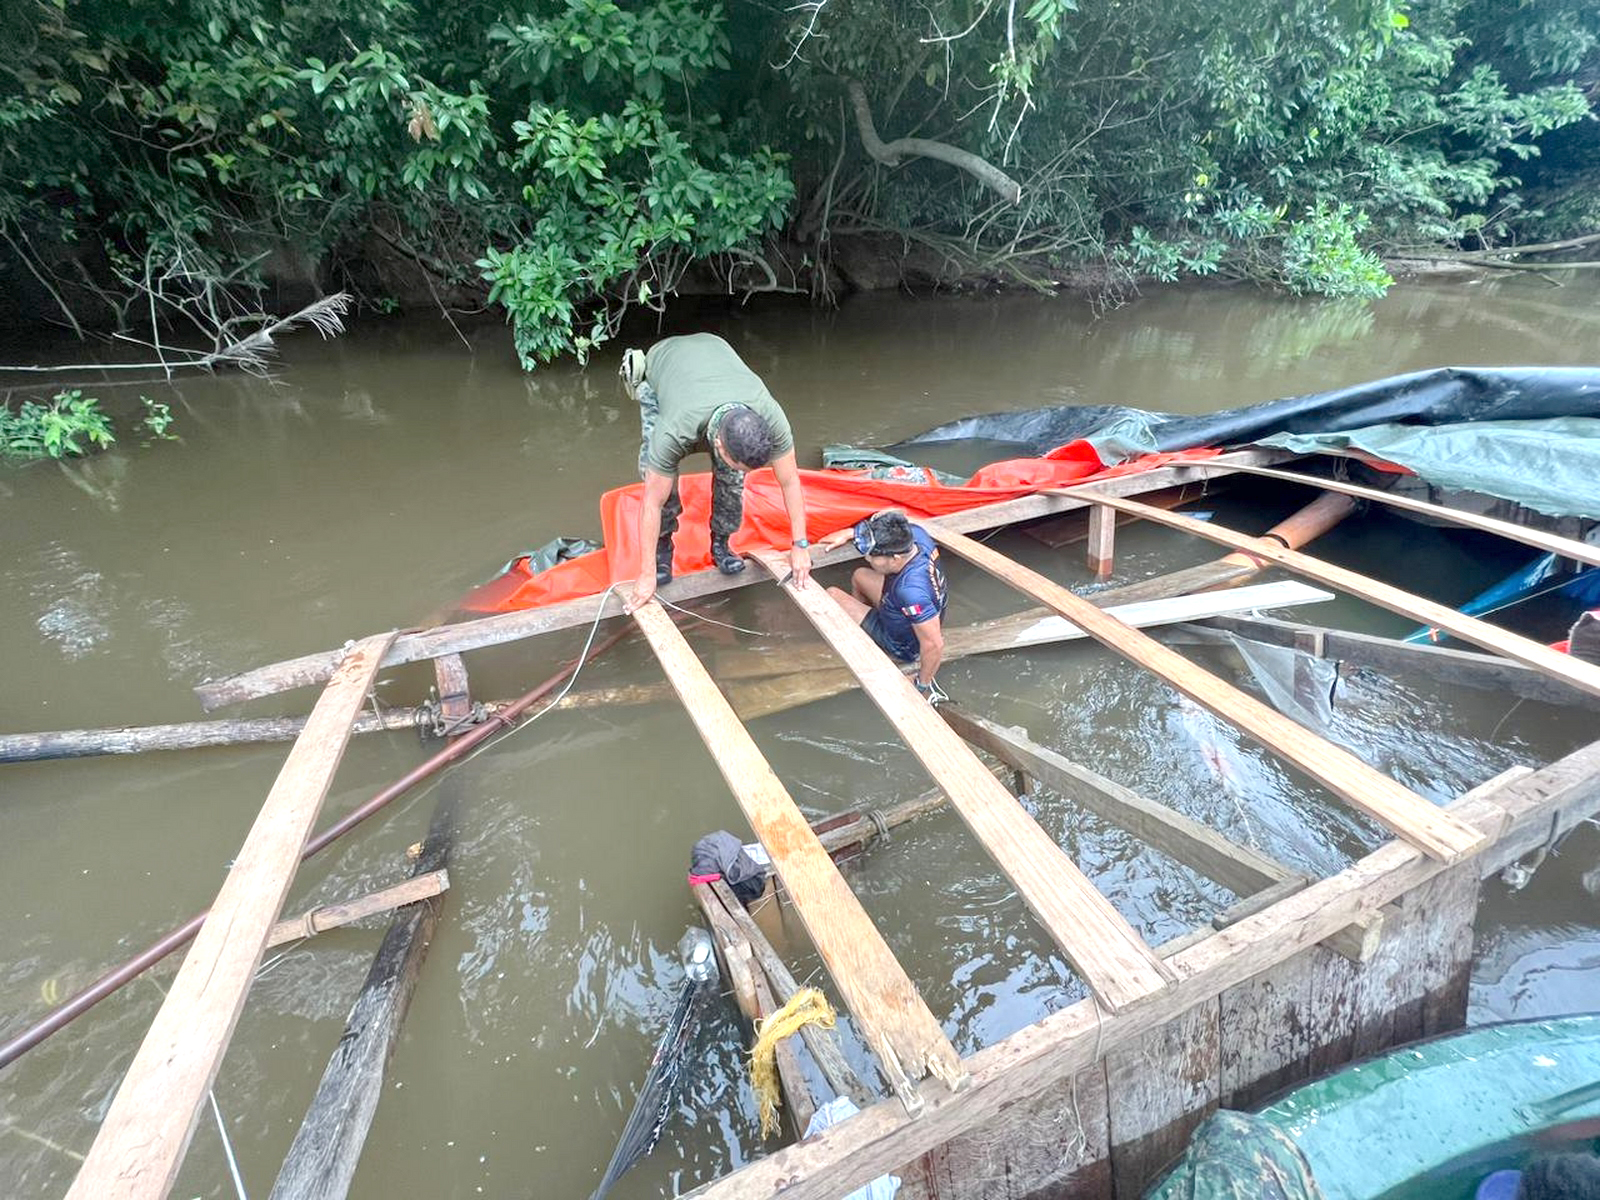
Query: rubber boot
[727, 561]
[663, 560]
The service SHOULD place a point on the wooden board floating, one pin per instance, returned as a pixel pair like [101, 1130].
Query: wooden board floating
[141, 1143]
[1480, 633]
[336, 916]
[1102, 947]
[1397, 808]
[1550, 543]
[890, 1014]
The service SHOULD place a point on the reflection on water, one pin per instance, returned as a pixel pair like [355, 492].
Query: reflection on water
[387, 472]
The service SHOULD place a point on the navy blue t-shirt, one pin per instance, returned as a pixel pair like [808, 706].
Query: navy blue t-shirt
[914, 594]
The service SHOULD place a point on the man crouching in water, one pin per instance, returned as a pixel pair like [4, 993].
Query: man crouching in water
[899, 597]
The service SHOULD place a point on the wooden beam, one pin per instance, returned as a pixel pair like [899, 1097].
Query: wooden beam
[1244, 872]
[1104, 949]
[850, 1154]
[415, 645]
[1550, 543]
[1390, 656]
[1570, 670]
[1397, 808]
[892, 1017]
[142, 1140]
[1239, 869]
[335, 916]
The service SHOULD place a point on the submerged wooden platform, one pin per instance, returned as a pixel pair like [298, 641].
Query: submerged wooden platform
[1299, 974]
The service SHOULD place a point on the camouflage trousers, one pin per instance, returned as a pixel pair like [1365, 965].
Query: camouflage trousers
[727, 483]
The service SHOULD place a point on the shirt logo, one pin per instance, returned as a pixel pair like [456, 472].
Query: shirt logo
[913, 610]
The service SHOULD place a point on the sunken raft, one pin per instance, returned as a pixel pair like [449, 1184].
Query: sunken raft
[1300, 975]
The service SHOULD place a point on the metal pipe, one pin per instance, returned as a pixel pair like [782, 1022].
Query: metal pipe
[68, 1011]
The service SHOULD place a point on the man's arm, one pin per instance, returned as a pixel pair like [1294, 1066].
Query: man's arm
[657, 487]
[794, 503]
[930, 646]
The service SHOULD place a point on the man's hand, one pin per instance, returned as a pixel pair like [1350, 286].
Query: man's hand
[800, 565]
[931, 691]
[644, 590]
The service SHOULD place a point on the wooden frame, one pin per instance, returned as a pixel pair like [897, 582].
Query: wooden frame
[1395, 807]
[879, 1139]
[1572, 671]
[416, 645]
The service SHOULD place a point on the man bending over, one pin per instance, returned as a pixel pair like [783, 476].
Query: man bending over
[695, 394]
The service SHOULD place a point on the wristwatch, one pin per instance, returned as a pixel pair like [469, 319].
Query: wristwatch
[800, 544]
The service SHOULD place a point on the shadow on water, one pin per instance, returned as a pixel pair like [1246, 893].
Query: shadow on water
[387, 472]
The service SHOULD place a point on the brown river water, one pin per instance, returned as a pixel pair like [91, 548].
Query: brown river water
[386, 472]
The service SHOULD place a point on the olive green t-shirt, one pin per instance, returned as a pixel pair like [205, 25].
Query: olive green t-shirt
[693, 376]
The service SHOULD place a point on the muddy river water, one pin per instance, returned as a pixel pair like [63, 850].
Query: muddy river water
[383, 474]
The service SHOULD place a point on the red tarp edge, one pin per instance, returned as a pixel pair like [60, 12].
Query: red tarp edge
[834, 499]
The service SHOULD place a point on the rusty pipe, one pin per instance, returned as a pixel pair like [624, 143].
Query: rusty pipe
[74, 1007]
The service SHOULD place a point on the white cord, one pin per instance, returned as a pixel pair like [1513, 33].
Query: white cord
[227, 1148]
[723, 624]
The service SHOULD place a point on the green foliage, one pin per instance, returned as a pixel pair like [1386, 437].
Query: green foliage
[570, 158]
[66, 426]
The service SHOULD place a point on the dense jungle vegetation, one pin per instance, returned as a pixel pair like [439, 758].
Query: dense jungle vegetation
[561, 160]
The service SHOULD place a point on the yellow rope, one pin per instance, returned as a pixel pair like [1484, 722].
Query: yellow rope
[806, 1007]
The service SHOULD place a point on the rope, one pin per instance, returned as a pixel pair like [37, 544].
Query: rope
[709, 621]
[806, 1007]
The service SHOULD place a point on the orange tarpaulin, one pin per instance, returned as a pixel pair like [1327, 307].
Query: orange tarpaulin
[834, 499]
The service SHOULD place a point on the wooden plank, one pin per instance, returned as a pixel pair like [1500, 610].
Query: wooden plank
[1059, 1144]
[144, 1135]
[334, 916]
[1396, 807]
[1550, 543]
[734, 952]
[1161, 1086]
[1104, 949]
[799, 1107]
[1243, 871]
[892, 1017]
[880, 1138]
[1238, 868]
[415, 645]
[1570, 670]
[1468, 668]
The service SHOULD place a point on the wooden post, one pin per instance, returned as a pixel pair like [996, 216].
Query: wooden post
[141, 1143]
[1396, 807]
[1102, 542]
